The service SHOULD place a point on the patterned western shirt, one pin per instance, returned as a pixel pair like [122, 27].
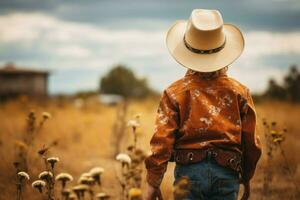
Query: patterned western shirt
[199, 112]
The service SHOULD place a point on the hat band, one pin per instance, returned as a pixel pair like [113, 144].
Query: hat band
[201, 51]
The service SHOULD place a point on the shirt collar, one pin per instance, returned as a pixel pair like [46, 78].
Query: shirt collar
[207, 76]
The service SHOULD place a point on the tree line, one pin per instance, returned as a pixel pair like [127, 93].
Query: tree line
[122, 81]
[288, 90]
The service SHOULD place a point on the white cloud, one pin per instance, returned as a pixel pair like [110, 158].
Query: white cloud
[73, 50]
[261, 43]
[78, 45]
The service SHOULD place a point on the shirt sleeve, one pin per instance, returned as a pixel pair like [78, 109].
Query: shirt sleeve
[250, 140]
[162, 141]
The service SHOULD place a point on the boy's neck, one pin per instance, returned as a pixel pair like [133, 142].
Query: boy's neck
[208, 75]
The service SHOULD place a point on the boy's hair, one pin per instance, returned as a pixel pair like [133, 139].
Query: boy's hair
[210, 75]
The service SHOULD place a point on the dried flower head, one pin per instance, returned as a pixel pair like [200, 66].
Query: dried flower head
[133, 123]
[102, 196]
[86, 180]
[64, 178]
[274, 132]
[278, 140]
[38, 184]
[46, 115]
[23, 176]
[52, 161]
[123, 158]
[79, 190]
[96, 174]
[135, 193]
[45, 175]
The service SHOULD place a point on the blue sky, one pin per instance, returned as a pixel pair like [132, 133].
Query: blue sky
[79, 41]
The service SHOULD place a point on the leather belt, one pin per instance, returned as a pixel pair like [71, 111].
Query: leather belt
[225, 158]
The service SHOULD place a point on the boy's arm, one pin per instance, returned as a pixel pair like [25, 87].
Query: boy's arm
[250, 140]
[162, 141]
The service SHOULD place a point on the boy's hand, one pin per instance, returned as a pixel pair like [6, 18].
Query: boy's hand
[246, 194]
[153, 193]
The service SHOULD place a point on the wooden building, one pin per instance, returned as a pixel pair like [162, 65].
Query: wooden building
[15, 81]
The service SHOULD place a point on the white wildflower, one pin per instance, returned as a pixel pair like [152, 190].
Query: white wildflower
[86, 180]
[46, 115]
[52, 161]
[102, 196]
[85, 174]
[123, 158]
[80, 189]
[23, 175]
[64, 178]
[45, 175]
[96, 170]
[96, 174]
[133, 123]
[39, 184]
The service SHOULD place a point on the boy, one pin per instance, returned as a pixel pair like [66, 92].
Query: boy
[206, 120]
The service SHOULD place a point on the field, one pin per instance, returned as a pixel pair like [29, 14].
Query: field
[81, 136]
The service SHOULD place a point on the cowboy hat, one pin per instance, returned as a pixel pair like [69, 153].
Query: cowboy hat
[203, 43]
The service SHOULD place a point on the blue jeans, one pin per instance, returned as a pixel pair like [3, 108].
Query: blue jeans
[209, 181]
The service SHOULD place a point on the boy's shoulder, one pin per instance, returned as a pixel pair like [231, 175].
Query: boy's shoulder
[237, 85]
[182, 85]
[177, 85]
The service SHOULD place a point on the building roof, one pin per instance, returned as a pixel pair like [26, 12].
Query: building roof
[12, 69]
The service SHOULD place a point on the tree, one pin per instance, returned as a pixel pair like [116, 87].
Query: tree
[292, 84]
[122, 81]
[289, 90]
[275, 90]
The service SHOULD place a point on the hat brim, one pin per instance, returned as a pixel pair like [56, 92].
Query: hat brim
[204, 62]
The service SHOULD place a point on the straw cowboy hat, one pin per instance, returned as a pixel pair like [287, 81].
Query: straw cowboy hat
[204, 43]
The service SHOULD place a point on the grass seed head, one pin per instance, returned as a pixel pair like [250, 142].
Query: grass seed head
[133, 123]
[86, 180]
[102, 196]
[53, 161]
[124, 158]
[64, 178]
[46, 115]
[96, 174]
[96, 171]
[39, 184]
[23, 176]
[80, 190]
[45, 175]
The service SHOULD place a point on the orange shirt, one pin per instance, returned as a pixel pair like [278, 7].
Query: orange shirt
[198, 112]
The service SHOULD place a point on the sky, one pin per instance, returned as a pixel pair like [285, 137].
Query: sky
[79, 41]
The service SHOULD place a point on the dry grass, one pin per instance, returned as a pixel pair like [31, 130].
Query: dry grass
[83, 137]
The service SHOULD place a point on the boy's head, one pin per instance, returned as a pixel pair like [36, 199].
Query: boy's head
[204, 43]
